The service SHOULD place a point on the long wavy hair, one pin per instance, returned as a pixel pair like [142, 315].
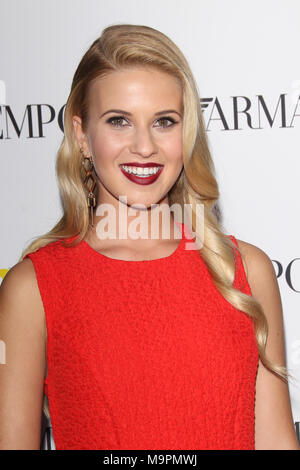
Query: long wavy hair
[128, 45]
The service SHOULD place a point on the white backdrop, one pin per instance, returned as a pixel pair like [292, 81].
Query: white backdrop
[245, 58]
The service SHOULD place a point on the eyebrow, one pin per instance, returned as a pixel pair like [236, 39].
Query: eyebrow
[159, 113]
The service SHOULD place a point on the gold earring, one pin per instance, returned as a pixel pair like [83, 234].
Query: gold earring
[89, 182]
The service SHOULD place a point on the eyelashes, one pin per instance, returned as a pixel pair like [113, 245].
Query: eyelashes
[119, 119]
[114, 119]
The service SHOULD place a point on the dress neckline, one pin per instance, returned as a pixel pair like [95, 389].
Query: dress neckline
[170, 257]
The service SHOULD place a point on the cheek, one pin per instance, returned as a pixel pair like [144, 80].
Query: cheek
[173, 149]
[105, 147]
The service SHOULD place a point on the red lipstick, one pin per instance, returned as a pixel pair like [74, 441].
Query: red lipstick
[142, 179]
[142, 165]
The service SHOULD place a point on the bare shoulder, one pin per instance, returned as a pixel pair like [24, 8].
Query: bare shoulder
[19, 292]
[23, 331]
[259, 269]
[19, 280]
[272, 401]
[22, 271]
[252, 254]
[264, 286]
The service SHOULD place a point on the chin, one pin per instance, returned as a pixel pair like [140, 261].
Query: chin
[140, 204]
[139, 201]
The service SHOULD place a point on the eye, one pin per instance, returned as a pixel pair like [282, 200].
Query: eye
[116, 121]
[165, 120]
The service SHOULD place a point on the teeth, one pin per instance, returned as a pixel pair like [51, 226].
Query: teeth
[141, 172]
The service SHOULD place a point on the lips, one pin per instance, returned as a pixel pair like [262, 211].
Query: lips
[143, 165]
[141, 179]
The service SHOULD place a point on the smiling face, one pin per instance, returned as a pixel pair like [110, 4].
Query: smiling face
[135, 120]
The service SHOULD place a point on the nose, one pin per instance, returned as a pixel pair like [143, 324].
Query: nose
[143, 143]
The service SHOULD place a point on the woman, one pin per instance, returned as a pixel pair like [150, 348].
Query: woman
[149, 345]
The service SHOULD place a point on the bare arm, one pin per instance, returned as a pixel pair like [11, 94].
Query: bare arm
[22, 328]
[274, 427]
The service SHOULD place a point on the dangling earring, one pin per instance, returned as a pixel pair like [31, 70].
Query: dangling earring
[89, 182]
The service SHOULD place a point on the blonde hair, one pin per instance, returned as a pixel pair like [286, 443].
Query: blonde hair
[128, 45]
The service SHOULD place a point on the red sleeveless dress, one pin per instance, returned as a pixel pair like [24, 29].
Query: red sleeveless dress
[145, 354]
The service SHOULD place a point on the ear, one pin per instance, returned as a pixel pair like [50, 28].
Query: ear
[80, 135]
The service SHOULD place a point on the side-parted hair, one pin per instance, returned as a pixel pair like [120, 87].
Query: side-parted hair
[122, 46]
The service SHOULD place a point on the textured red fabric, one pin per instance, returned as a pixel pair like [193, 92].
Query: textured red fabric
[145, 354]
